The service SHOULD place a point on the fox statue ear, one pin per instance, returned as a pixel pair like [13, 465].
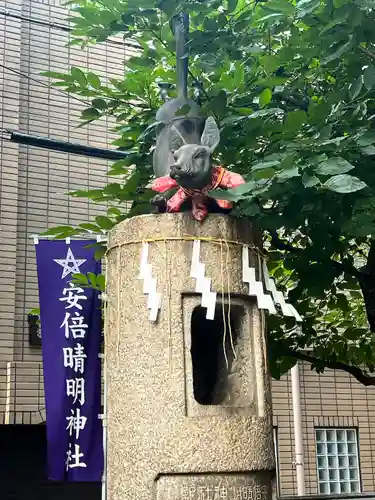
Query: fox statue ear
[211, 134]
[175, 139]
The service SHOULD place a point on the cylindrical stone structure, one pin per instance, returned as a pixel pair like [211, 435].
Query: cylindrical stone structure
[189, 405]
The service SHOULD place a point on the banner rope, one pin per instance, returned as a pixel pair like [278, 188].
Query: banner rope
[106, 320]
[118, 308]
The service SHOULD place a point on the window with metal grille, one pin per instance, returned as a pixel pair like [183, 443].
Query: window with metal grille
[337, 460]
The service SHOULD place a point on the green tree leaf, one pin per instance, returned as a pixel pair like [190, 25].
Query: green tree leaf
[305, 7]
[368, 150]
[35, 311]
[99, 254]
[261, 165]
[366, 139]
[90, 114]
[104, 222]
[91, 277]
[100, 280]
[344, 184]
[53, 231]
[233, 194]
[114, 211]
[369, 77]
[239, 75]
[219, 103]
[283, 6]
[78, 76]
[80, 278]
[60, 76]
[295, 120]
[333, 166]
[90, 227]
[289, 173]
[93, 80]
[340, 51]
[265, 97]
[309, 180]
[267, 112]
[99, 104]
[232, 4]
[356, 87]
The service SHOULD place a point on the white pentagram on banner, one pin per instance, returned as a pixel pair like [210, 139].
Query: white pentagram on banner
[70, 264]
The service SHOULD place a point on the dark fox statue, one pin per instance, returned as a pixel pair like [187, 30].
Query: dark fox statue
[185, 144]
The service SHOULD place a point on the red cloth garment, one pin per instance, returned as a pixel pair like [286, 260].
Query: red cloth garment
[221, 178]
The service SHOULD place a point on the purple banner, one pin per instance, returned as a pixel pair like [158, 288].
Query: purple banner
[70, 319]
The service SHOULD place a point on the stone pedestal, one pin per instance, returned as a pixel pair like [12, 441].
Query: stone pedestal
[185, 421]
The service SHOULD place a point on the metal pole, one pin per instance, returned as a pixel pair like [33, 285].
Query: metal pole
[180, 29]
[299, 465]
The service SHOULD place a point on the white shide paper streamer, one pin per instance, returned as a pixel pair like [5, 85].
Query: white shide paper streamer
[149, 284]
[265, 300]
[203, 284]
[255, 287]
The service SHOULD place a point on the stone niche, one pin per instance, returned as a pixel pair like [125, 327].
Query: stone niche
[189, 404]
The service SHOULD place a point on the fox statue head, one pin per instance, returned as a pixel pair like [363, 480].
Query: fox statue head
[191, 164]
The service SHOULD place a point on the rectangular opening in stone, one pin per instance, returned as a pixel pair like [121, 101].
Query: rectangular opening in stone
[220, 376]
[213, 349]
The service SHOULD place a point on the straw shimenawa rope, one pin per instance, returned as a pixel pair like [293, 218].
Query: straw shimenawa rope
[217, 241]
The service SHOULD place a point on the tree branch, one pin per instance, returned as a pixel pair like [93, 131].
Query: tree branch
[289, 99]
[357, 373]
[367, 52]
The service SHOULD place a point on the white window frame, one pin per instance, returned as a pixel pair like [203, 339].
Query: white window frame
[337, 460]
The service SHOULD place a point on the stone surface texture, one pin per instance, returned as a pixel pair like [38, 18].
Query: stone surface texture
[156, 429]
